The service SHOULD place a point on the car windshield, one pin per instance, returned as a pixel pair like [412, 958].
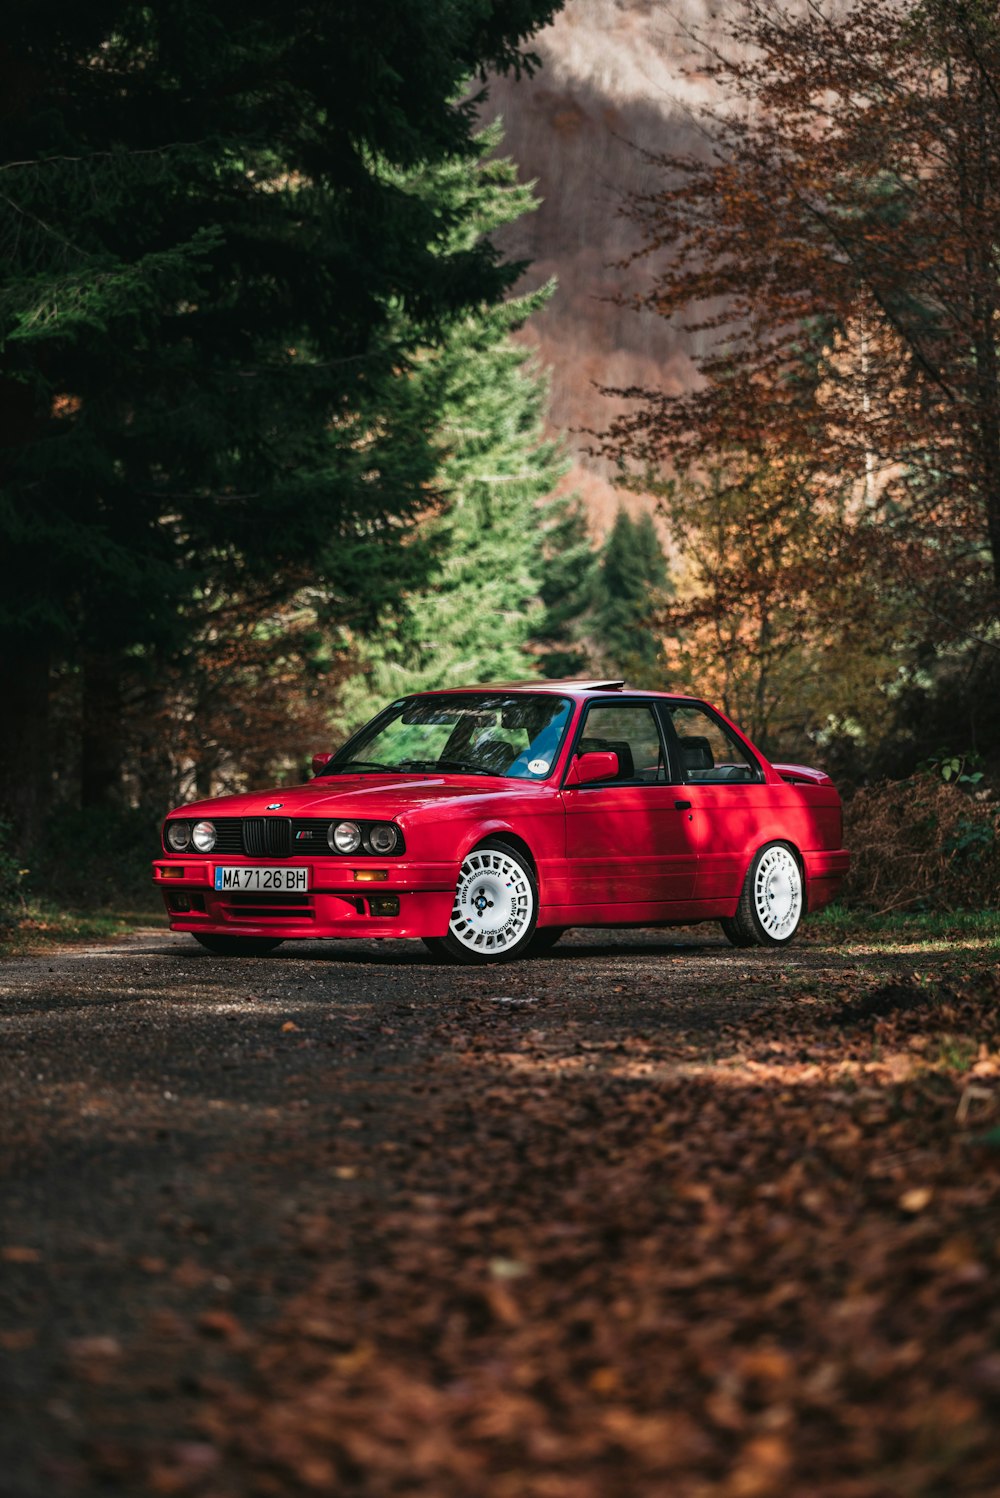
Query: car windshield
[517, 736]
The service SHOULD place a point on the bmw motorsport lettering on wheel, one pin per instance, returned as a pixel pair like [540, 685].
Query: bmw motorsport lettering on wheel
[485, 821]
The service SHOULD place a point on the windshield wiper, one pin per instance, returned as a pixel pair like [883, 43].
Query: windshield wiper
[359, 764]
[462, 765]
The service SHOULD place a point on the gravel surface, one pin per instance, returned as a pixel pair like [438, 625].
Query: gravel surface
[179, 1130]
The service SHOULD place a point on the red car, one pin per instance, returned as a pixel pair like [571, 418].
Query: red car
[487, 820]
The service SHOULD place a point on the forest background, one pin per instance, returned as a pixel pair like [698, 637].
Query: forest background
[276, 444]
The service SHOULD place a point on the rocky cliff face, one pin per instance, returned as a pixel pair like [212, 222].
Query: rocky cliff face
[619, 77]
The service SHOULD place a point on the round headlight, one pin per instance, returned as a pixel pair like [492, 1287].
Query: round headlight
[345, 837]
[178, 835]
[203, 836]
[383, 837]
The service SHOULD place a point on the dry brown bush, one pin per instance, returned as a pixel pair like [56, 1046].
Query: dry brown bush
[922, 844]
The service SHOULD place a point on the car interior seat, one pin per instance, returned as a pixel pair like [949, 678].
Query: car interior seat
[696, 753]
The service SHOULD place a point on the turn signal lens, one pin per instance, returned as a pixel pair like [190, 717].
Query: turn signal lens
[203, 836]
[383, 837]
[345, 837]
[178, 836]
[169, 873]
[371, 876]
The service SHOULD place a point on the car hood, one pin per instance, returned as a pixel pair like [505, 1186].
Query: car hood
[365, 796]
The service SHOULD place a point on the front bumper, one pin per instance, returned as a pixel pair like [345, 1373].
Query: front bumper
[337, 904]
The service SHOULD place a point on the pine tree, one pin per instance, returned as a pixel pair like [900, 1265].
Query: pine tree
[632, 580]
[567, 590]
[475, 618]
[215, 285]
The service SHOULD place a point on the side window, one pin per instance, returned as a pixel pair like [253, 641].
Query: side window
[632, 733]
[708, 752]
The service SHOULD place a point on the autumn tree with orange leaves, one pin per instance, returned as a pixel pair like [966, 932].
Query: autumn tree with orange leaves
[835, 248]
[774, 619]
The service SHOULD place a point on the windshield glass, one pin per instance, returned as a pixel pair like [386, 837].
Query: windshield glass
[472, 733]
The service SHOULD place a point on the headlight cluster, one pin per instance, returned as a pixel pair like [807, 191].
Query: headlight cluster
[181, 835]
[378, 838]
[346, 837]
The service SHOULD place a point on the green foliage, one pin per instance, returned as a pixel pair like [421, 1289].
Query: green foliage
[971, 841]
[631, 580]
[567, 590]
[955, 770]
[476, 616]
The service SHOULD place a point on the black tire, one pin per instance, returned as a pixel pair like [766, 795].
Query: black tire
[772, 901]
[544, 940]
[237, 946]
[488, 872]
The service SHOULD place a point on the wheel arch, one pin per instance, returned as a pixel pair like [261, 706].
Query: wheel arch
[505, 834]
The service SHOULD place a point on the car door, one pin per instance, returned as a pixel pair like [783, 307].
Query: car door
[732, 806]
[626, 850]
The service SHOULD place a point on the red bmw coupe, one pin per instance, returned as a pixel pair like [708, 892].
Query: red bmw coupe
[487, 820]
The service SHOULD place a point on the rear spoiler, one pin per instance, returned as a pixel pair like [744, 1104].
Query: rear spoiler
[802, 775]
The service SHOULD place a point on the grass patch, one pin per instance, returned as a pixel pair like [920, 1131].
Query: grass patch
[43, 924]
[927, 931]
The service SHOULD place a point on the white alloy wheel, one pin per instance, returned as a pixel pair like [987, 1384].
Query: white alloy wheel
[495, 910]
[777, 892]
[494, 902]
[772, 901]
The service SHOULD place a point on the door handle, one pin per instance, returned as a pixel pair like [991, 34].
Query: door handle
[682, 806]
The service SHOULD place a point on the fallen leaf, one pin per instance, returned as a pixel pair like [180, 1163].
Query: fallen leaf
[19, 1253]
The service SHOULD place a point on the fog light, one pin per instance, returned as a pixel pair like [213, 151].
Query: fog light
[384, 905]
[371, 876]
[178, 903]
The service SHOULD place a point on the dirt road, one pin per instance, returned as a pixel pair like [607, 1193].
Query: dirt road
[647, 1216]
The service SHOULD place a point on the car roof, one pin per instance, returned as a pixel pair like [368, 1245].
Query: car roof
[569, 686]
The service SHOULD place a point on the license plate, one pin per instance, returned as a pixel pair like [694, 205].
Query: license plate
[260, 879]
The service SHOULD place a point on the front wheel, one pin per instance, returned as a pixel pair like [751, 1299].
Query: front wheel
[495, 910]
[771, 901]
[237, 946]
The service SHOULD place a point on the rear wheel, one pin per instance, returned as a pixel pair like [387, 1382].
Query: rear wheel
[495, 910]
[771, 901]
[237, 946]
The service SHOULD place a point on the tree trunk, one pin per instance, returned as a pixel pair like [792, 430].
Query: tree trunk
[101, 732]
[992, 498]
[24, 741]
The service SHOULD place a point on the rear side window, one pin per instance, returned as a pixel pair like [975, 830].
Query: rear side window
[631, 732]
[707, 753]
